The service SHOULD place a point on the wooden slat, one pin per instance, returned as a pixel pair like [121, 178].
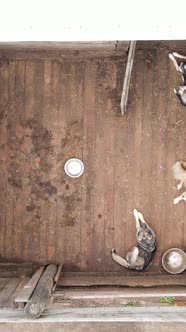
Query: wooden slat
[126, 84]
[8, 270]
[87, 45]
[122, 280]
[57, 277]
[3, 282]
[88, 180]
[39, 300]
[28, 289]
[4, 152]
[11, 302]
[8, 290]
[119, 293]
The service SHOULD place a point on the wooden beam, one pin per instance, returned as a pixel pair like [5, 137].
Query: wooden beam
[7, 291]
[126, 83]
[81, 280]
[28, 289]
[116, 293]
[41, 295]
[16, 270]
[57, 277]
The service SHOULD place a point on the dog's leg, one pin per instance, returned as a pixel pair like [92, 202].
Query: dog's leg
[135, 213]
[118, 259]
[132, 256]
[177, 55]
[180, 198]
[141, 217]
[180, 185]
[171, 56]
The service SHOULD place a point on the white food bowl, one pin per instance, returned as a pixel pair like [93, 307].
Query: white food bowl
[74, 167]
[174, 260]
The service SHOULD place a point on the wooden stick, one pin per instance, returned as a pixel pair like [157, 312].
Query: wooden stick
[57, 276]
[126, 83]
[39, 300]
[28, 289]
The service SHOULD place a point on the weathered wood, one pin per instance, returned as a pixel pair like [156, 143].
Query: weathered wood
[87, 45]
[9, 270]
[28, 289]
[8, 290]
[79, 280]
[80, 98]
[116, 293]
[3, 282]
[11, 302]
[126, 84]
[169, 318]
[60, 51]
[57, 277]
[37, 303]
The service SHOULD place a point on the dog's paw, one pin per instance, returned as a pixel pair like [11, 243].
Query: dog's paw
[175, 91]
[113, 251]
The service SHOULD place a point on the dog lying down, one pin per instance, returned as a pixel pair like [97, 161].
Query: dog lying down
[181, 69]
[179, 172]
[139, 258]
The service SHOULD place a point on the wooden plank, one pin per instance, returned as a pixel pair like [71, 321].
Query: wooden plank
[117, 293]
[179, 135]
[130, 281]
[87, 45]
[11, 302]
[99, 162]
[39, 300]
[3, 282]
[88, 180]
[120, 167]
[170, 212]
[138, 114]
[4, 152]
[28, 289]
[57, 277]
[8, 270]
[126, 84]
[146, 141]
[8, 290]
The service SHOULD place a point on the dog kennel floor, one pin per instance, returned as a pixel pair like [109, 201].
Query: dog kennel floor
[53, 108]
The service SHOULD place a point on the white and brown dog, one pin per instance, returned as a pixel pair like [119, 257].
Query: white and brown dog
[179, 172]
[139, 258]
[181, 69]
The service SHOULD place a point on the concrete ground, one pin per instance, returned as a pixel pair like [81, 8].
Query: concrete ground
[151, 319]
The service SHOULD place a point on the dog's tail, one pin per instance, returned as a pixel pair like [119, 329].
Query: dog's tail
[179, 170]
[118, 259]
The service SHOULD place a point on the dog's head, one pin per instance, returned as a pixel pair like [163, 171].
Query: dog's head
[182, 68]
[146, 237]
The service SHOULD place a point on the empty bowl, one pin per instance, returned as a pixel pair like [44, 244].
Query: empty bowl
[174, 260]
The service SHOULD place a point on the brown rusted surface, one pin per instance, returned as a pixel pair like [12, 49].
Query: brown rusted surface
[52, 110]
